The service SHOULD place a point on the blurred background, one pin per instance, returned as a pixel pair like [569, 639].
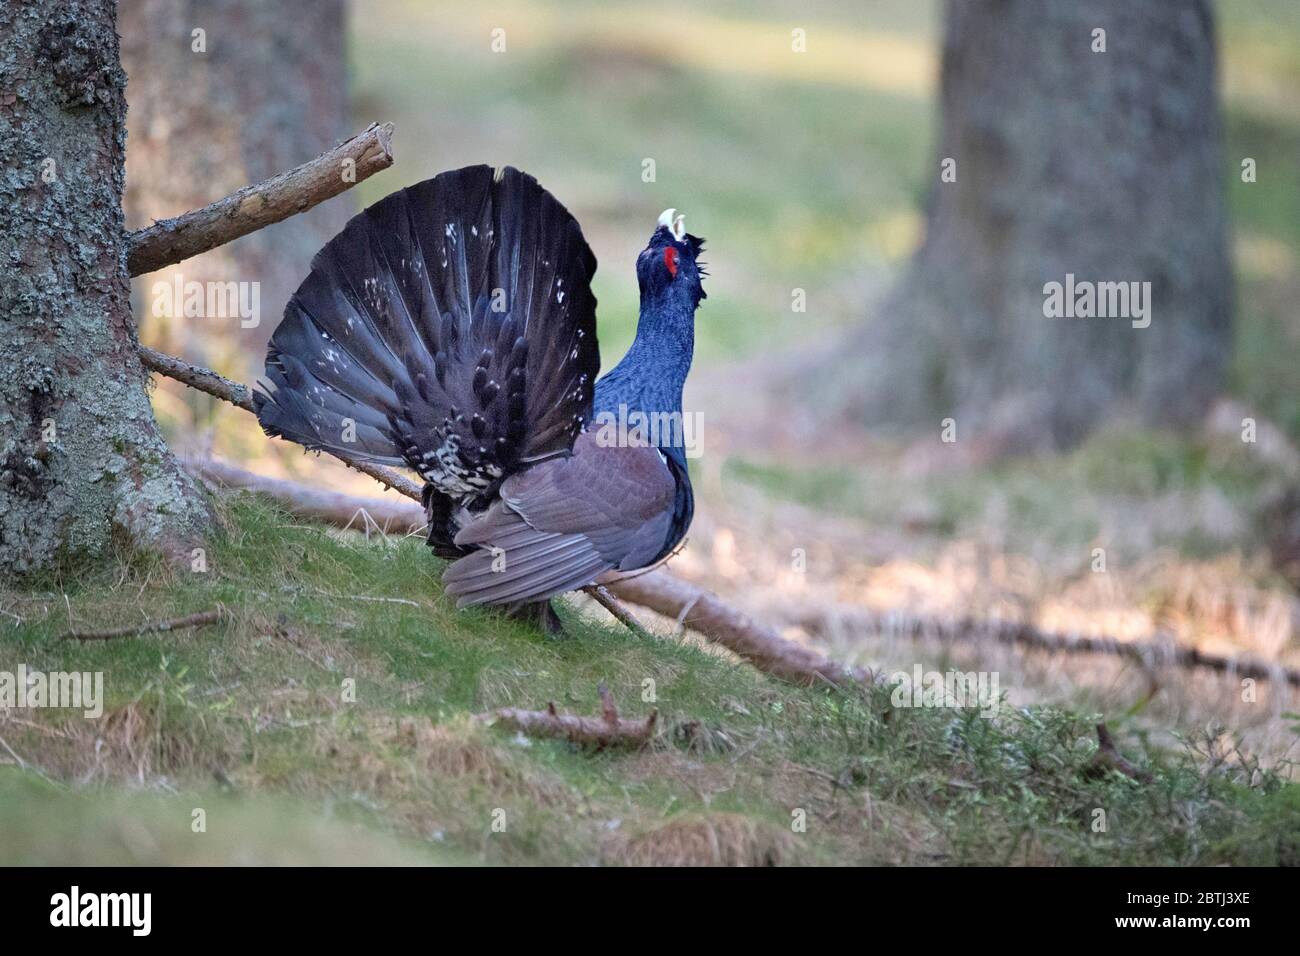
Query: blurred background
[861, 309]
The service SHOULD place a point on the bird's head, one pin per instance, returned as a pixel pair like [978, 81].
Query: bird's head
[668, 269]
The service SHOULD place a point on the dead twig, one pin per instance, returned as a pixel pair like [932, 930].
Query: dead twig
[197, 377]
[601, 596]
[607, 730]
[759, 644]
[681, 617]
[368, 598]
[169, 241]
[1159, 649]
[150, 627]
[1109, 758]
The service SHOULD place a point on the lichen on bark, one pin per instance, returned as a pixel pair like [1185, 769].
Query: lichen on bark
[82, 462]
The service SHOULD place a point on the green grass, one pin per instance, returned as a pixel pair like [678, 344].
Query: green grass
[46, 823]
[250, 721]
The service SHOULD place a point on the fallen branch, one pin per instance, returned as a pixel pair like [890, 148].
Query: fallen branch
[170, 241]
[757, 643]
[1161, 649]
[318, 504]
[150, 627]
[1109, 758]
[607, 730]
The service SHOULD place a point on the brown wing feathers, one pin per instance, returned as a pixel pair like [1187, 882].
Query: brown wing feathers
[563, 523]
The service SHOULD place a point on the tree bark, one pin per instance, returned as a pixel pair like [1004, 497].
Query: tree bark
[82, 464]
[1104, 165]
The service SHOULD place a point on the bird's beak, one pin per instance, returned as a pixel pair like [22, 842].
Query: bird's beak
[673, 223]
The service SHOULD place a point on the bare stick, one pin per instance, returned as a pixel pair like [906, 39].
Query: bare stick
[318, 504]
[174, 240]
[241, 396]
[758, 643]
[1159, 649]
[606, 600]
[607, 730]
[150, 627]
[197, 377]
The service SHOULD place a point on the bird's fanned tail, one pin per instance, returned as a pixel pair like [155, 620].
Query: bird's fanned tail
[449, 327]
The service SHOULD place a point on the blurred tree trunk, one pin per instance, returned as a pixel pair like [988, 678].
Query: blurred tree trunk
[262, 88]
[82, 465]
[1104, 165]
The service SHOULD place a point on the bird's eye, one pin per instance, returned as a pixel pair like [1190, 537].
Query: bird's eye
[670, 260]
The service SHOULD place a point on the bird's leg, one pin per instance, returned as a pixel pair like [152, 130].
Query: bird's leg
[538, 613]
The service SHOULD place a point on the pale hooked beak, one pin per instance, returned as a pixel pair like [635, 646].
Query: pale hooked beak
[674, 223]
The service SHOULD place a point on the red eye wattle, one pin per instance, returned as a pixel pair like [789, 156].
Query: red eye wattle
[670, 260]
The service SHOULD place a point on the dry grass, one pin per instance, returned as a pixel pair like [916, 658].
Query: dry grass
[952, 545]
[715, 839]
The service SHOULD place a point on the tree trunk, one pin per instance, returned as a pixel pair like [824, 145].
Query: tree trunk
[82, 464]
[260, 90]
[1101, 165]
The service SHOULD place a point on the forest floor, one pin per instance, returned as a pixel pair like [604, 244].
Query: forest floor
[331, 718]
